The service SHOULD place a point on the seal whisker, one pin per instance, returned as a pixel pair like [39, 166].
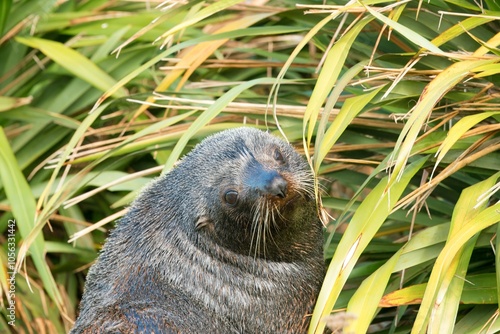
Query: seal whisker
[255, 233]
[280, 216]
[274, 224]
[265, 226]
[304, 183]
[255, 222]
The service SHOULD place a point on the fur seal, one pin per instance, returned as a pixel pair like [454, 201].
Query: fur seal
[229, 241]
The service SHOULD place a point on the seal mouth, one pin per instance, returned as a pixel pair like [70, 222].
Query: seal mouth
[288, 200]
[283, 200]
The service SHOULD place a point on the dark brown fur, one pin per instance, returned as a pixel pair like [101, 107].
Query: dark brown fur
[229, 241]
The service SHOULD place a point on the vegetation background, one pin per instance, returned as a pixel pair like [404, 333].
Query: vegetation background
[394, 103]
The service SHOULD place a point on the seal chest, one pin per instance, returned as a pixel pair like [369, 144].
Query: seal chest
[229, 241]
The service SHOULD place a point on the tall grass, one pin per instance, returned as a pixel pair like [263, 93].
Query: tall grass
[395, 104]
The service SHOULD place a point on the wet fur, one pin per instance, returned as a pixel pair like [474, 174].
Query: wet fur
[181, 261]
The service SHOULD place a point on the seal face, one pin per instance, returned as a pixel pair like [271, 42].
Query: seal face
[229, 241]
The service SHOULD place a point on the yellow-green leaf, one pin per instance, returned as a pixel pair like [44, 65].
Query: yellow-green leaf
[469, 220]
[369, 216]
[432, 93]
[75, 63]
[350, 109]
[328, 76]
[8, 103]
[406, 32]
[456, 132]
[22, 203]
[216, 7]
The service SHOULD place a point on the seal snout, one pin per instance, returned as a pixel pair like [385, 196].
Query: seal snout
[276, 185]
[268, 182]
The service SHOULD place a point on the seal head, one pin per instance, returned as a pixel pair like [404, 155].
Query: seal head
[261, 197]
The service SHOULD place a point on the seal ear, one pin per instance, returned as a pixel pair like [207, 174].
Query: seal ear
[203, 222]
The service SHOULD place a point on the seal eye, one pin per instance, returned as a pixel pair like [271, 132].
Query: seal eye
[278, 156]
[231, 197]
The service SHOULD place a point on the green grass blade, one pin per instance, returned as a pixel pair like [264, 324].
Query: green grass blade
[75, 63]
[497, 264]
[478, 289]
[333, 98]
[482, 319]
[432, 93]
[469, 221]
[5, 6]
[406, 32]
[8, 103]
[350, 109]
[458, 29]
[364, 302]
[328, 77]
[368, 297]
[202, 14]
[456, 132]
[370, 215]
[306, 39]
[22, 203]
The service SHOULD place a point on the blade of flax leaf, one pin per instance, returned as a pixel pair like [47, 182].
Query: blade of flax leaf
[488, 46]
[76, 181]
[431, 94]
[351, 107]
[115, 150]
[133, 143]
[195, 56]
[22, 203]
[369, 216]
[340, 86]
[368, 297]
[5, 268]
[457, 131]
[478, 289]
[46, 206]
[200, 52]
[273, 94]
[8, 103]
[378, 169]
[74, 62]
[202, 14]
[469, 221]
[422, 246]
[4, 13]
[497, 264]
[482, 319]
[363, 304]
[178, 47]
[487, 70]
[60, 101]
[443, 318]
[406, 296]
[459, 29]
[406, 32]
[328, 77]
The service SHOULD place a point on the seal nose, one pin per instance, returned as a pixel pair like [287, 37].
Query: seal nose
[277, 186]
[269, 182]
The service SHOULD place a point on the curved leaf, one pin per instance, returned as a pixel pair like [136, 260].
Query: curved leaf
[74, 62]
